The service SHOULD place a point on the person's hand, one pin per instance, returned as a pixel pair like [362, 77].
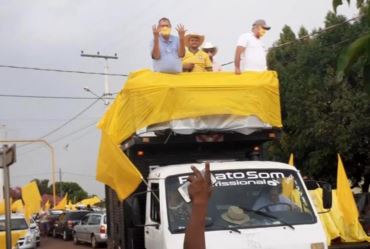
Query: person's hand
[200, 187]
[188, 67]
[181, 30]
[237, 71]
[156, 30]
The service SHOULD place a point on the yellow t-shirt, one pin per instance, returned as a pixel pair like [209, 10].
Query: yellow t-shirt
[200, 59]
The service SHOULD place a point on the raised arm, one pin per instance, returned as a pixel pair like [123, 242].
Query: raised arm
[156, 53]
[181, 31]
[238, 52]
[199, 190]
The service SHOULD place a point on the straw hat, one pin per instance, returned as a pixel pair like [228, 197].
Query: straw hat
[235, 215]
[190, 35]
[209, 45]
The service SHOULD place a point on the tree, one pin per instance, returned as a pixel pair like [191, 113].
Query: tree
[74, 191]
[358, 49]
[321, 116]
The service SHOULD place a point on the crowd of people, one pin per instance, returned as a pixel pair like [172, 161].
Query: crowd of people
[185, 53]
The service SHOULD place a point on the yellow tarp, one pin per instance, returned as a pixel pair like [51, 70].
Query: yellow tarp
[15, 236]
[150, 98]
[32, 199]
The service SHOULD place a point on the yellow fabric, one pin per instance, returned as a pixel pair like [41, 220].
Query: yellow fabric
[330, 228]
[291, 159]
[334, 221]
[150, 98]
[62, 204]
[115, 169]
[90, 201]
[200, 60]
[15, 236]
[287, 185]
[345, 195]
[2, 207]
[17, 207]
[32, 199]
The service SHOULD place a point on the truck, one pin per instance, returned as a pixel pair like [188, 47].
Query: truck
[240, 211]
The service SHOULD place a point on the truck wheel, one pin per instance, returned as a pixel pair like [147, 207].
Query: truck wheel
[94, 244]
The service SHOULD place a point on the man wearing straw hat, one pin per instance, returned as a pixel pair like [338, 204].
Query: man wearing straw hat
[250, 54]
[195, 59]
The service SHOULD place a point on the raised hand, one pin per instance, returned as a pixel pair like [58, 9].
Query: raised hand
[200, 187]
[181, 30]
[156, 30]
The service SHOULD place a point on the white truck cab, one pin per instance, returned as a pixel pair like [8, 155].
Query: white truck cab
[289, 222]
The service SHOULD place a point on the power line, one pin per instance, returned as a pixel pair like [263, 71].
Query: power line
[48, 97]
[61, 70]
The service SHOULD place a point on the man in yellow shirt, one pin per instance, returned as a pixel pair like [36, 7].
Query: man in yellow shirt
[195, 60]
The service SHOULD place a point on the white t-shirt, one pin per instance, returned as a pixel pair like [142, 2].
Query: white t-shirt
[254, 56]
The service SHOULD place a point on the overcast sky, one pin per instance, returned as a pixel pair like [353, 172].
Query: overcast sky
[51, 34]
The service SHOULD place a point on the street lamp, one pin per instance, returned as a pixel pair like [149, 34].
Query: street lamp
[52, 158]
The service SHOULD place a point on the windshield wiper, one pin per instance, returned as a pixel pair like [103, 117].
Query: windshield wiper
[225, 227]
[264, 214]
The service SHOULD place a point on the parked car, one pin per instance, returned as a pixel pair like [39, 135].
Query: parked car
[19, 225]
[35, 230]
[66, 221]
[91, 229]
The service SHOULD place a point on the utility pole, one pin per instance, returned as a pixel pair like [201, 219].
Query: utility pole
[60, 183]
[7, 158]
[107, 92]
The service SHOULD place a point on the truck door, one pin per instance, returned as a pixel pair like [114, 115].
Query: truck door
[153, 227]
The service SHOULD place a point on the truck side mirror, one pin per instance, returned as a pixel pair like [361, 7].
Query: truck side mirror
[326, 196]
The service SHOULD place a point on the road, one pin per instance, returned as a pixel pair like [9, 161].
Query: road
[48, 242]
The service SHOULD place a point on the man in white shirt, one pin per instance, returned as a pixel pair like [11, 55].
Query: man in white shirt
[250, 55]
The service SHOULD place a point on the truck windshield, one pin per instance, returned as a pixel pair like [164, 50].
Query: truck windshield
[245, 199]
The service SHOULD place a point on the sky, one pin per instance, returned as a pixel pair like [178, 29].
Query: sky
[52, 33]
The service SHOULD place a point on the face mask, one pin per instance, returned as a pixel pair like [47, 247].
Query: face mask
[262, 32]
[165, 31]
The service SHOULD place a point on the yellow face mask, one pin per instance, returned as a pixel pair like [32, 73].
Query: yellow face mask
[165, 31]
[262, 31]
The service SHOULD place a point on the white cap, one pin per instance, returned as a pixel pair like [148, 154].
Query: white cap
[209, 45]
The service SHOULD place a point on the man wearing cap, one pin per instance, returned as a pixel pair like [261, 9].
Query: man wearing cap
[195, 60]
[250, 55]
[166, 49]
[211, 50]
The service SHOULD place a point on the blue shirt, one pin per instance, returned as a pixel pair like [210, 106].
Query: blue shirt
[169, 62]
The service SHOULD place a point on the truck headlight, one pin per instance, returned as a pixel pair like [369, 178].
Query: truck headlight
[317, 246]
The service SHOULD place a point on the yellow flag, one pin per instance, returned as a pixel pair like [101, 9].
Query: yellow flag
[17, 206]
[47, 206]
[291, 159]
[90, 201]
[116, 170]
[32, 199]
[63, 203]
[345, 197]
[2, 207]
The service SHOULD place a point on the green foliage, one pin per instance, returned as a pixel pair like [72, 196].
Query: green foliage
[74, 190]
[359, 49]
[321, 116]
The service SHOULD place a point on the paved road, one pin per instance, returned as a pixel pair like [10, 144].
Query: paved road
[51, 243]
